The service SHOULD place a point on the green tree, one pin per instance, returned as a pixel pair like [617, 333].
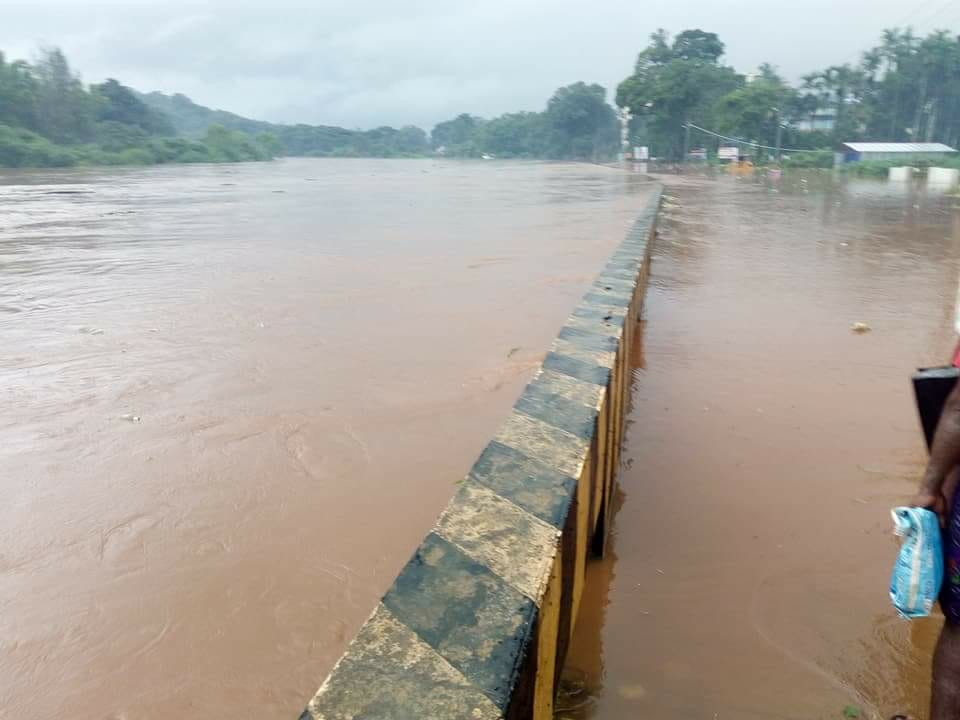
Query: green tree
[117, 103]
[577, 124]
[753, 111]
[412, 140]
[270, 143]
[580, 124]
[698, 45]
[675, 84]
[906, 88]
[522, 134]
[456, 133]
[18, 94]
[842, 87]
[65, 111]
[232, 146]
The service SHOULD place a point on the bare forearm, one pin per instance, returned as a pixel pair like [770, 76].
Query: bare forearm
[945, 452]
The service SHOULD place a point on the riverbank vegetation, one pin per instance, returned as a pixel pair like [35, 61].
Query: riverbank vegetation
[577, 124]
[192, 121]
[905, 89]
[49, 118]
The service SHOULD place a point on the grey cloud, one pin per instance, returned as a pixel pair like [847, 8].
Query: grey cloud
[375, 62]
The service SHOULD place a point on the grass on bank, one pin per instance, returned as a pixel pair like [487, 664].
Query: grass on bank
[21, 148]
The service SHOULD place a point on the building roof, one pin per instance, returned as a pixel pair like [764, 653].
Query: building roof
[895, 147]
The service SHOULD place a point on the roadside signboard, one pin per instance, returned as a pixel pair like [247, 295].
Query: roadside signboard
[728, 152]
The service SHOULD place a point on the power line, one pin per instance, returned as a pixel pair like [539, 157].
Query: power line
[752, 144]
[928, 16]
[921, 8]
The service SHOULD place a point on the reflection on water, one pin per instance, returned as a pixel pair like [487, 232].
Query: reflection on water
[236, 397]
[766, 444]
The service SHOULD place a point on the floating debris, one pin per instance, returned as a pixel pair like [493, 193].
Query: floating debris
[860, 328]
[572, 692]
[130, 418]
[631, 692]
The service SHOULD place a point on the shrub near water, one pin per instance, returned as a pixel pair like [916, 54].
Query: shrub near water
[809, 160]
[22, 148]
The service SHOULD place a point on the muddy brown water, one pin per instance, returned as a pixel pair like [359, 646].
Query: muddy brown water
[766, 445]
[236, 397]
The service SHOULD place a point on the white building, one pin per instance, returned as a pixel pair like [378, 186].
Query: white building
[907, 152]
[823, 119]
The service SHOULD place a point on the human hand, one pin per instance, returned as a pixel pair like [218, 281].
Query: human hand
[931, 501]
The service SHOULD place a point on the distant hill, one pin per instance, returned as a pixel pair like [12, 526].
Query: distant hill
[49, 118]
[192, 120]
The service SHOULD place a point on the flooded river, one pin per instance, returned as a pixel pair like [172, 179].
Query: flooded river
[766, 446]
[235, 398]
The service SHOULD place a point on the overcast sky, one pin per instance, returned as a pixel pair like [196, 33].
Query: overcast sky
[362, 63]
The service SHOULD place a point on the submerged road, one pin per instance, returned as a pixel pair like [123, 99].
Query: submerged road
[767, 444]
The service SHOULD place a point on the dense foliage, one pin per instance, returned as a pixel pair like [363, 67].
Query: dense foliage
[577, 123]
[192, 120]
[48, 118]
[905, 89]
[674, 84]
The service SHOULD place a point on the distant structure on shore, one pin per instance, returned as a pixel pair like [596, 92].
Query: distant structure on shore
[907, 152]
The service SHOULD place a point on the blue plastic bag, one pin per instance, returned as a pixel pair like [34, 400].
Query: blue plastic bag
[918, 571]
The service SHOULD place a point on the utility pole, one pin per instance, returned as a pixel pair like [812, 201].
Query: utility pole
[779, 133]
[625, 117]
[686, 142]
[931, 119]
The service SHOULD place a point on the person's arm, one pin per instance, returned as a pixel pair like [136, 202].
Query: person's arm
[944, 456]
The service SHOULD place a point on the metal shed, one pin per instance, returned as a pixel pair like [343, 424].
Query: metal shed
[907, 152]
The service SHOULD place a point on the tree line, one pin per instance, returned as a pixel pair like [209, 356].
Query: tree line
[192, 120]
[577, 124]
[49, 118]
[906, 89]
